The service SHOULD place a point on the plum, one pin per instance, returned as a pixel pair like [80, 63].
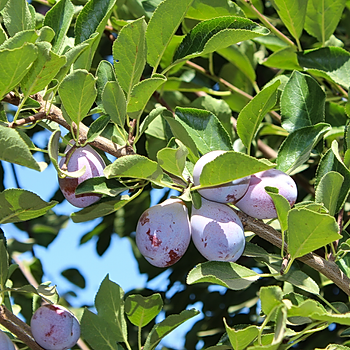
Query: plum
[163, 232]
[226, 193]
[54, 327]
[257, 203]
[5, 342]
[94, 167]
[217, 232]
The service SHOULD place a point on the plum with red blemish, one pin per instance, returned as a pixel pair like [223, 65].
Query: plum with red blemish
[54, 327]
[5, 342]
[163, 233]
[217, 231]
[226, 193]
[94, 167]
[257, 203]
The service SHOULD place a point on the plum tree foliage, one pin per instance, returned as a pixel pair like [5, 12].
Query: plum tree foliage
[148, 87]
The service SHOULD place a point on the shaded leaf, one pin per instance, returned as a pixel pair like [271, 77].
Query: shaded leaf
[302, 102]
[20, 205]
[114, 102]
[226, 274]
[74, 276]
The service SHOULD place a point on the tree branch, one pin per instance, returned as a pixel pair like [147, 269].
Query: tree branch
[55, 114]
[328, 268]
[19, 328]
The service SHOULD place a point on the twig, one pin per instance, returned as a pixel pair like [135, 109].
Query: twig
[55, 114]
[328, 268]
[19, 328]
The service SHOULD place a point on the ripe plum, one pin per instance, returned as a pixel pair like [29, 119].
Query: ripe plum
[226, 193]
[5, 342]
[94, 167]
[217, 232]
[55, 328]
[257, 203]
[163, 232]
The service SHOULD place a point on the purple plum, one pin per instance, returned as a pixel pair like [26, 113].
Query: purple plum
[54, 327]
[94, 167]
[163, 232]
[5, 342]
[226, 193]
[217, 232]
[257, 203]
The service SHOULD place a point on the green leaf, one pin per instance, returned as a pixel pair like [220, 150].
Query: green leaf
[173, 160]
[328, 190]
[44, 69]
[71, 56]
[181, 133]
[215, 34]
[74, 276]
[78, 93]
[19, 39]
[18, 205]
[322, 18]
[207, 9]
[97, 127]
[114, 102]
[160, 330]
[253, 113]
[292, 13]
[14, 65]
[109, 303]
[219, 108]
[3, 35]
[204, 128]
[282, 207]
[142, 310]
[4, 264]
[308, 231]
[226, 274]
[302, 102]
[141, 93]
[17, 16]
[241, 338]
[149, 118]
[228, 167]
[14, 149]
[129, 54]
[297, 147]
[332, 162]
[59, 18]
[331, 63]
[104, 74]
[240, 60]
[271, 297]
[162, 27]
[103, 207]
[101, 185]
[99, 333]
[285, 58]
[85, 58]
[46, 33]
[2, 4]
[134, 166]
[92, 19]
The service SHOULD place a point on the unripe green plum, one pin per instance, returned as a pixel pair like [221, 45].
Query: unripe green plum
[217, 231]
[163, 233]
[226, 193]
[257, 203]
[94, 167]
[54, 327]
[5, 342]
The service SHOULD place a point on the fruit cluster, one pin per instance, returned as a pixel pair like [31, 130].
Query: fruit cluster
[164, 231]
